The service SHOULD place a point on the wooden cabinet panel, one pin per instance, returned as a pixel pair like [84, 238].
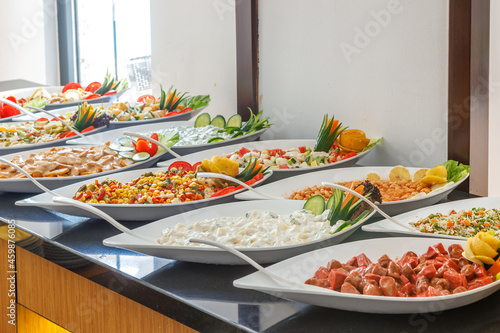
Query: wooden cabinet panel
[80, 305]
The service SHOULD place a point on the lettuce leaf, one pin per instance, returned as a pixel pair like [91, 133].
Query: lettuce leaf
[372, 143]
[456, 171]
[196, 102]
[38, 102]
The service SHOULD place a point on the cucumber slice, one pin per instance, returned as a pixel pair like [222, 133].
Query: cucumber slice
[329, 204]
[234, 121]
[127, 154]
[126, 142]
[315, 204]
[141, 156]
[202, 120]
[216, 139]
[119, 147]
[218, 121]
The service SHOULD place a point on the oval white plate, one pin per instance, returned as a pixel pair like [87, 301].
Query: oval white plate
[184, 150]
[116, 123]
[270, 144]
[27, 92]
[19, 148]
[415, 215]
[212, 255]
[303, 267]
[25, 185]
[146, 212]
[287, 186]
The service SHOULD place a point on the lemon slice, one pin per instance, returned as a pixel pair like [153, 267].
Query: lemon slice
[438, 171]
[418, 175]
[372, 176]
[469, 254]
[399, 173]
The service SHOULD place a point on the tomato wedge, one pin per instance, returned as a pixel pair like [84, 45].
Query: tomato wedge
[72, 85]
[92, 87]
[173, 113]
[9, 111]
[88, 129]
[12, 99]
[195, 166]
[143, 98]
[111, 92]
[224, 191]
[181, 165]
[93, 96]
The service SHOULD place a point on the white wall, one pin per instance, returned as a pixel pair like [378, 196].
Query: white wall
[193, 47]
[494, 100]
[390, 81]
[28, 35]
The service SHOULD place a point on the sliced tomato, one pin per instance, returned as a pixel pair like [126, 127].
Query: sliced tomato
[41, 119]
[111, 92]
[224, 191]
[154, 136]
[88, 129]
[72, 85]
[195, 166]
[302, 149]
[186, 110]
[12, 99]
[181, 165]
[93, 96]
[9, 111]
[351, 154]
[173, 113]
[58, 118]
[92, 87]
[147, 147]
[144, 97]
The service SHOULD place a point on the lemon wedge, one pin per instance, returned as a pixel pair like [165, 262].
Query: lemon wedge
[418, 175]
[372, 176]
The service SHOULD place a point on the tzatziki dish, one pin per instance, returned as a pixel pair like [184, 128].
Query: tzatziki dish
[284, 216]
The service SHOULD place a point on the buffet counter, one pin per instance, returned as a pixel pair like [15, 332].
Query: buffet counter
[67, 275]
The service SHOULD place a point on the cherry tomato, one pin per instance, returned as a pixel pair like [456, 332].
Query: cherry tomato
[154, 136]
[72, 85]
[181, 165]
[111, 92]
[93, 96]
[146, 146]
[92, 87]
[143, 98]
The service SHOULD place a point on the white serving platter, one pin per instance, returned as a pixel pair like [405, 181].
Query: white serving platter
[212, 255]
[115, 123]
[269, 144]
[25, 185]
[182, 150]
[124, 212]
[415, 215]
[302, 267]
[27, 92]
[28, 147]
[286, 186]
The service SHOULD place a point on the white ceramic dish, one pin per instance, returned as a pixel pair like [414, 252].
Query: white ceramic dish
[28, 147]
[269, 144]
[184, 150]
[24, 185]
[303, 267]
[27, 92]
[146, 212]
[287, 186]
[118, 124]
[444, 208]
[211, 255]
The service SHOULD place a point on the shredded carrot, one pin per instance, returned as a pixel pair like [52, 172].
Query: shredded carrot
[359, 189]
[467, 222]
[449, 223]
[486, 224]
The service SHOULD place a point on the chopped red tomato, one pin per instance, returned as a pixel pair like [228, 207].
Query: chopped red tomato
[243, 151]
[92, 87]
[143, 98]
[181, 165]
[302, 149]
[284, 166]
[72, 85]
